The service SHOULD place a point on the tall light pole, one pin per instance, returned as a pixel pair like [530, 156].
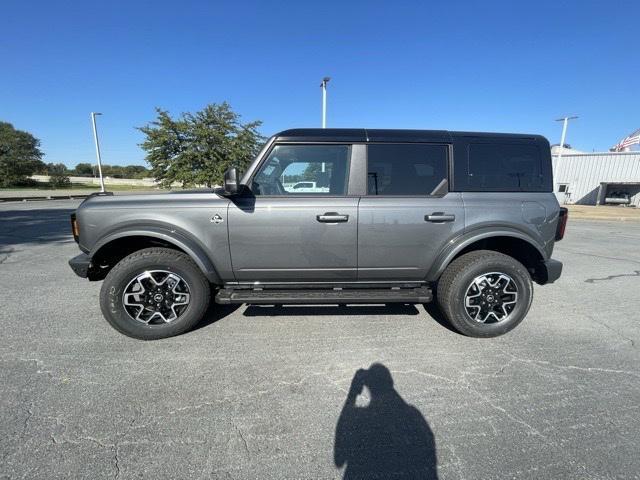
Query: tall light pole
[323, 85]
[95, 138]
[565, 121]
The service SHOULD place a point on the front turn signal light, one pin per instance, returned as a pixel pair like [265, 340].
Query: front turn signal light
[74, 227]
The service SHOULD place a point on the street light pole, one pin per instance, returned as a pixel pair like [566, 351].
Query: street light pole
[325, 80]
[95, 138]
[565, 122]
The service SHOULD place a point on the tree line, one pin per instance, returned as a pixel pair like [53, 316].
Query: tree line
[192, 149]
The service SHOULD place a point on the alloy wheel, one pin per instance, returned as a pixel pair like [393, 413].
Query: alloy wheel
[156, 297]
[491, 298]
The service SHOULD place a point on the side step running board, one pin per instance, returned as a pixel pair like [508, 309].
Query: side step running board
[324, 296]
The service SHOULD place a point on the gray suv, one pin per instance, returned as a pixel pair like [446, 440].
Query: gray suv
[393, 216]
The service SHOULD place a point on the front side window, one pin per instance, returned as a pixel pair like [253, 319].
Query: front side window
[303, 169]
[405, 169]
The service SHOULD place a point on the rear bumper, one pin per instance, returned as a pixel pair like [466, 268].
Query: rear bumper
[80, 265]
[554, 270]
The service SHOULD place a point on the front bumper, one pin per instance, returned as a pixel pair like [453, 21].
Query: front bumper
[554, 270]
[80, 265]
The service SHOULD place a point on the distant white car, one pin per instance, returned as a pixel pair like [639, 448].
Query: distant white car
[308, 187]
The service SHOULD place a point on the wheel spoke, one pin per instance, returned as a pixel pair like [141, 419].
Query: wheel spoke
[156, 297]
[491, 297]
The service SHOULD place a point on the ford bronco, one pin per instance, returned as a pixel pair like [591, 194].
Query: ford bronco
[403, 216]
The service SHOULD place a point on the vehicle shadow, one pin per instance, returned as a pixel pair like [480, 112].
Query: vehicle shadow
[313, 310]
[434, 312]
[388, 438]
[214, 313]
[35, 226]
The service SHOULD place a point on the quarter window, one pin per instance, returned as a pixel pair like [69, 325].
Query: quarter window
[303, 170]
[405, 169]
[504, 167]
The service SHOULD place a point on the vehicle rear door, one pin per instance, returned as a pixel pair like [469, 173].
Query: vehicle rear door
[408, 214]
[278, 234]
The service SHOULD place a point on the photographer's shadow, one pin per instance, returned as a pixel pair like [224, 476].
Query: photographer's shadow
[388, 438]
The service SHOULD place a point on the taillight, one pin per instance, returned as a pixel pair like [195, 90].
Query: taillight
[74, 227]
[562, 223]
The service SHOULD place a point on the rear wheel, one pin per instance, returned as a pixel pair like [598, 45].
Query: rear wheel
[485, 293]
[154, 293]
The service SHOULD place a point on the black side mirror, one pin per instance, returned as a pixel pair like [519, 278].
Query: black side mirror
[231, 185]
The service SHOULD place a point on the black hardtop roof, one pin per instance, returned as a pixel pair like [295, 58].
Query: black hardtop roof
[386, 135]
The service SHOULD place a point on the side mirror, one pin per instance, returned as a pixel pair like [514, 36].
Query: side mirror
[231, 185]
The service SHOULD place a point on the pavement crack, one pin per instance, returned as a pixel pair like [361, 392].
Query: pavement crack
[614, 330]
[635, 273]
[574, 367]
[244, 440]
[423, 374]
[29, 410]
[606, 257]
[502, 410]
[39, 364]
[4, 256]
[116, 460]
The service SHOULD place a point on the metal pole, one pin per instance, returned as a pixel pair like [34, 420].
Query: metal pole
[95, 138]
[324, 105]
[325, 80]
[565, 122]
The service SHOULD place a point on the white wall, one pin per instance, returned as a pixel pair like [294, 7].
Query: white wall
[584, 172]
[147, 182]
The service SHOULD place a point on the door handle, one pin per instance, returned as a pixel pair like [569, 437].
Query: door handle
[332, 217]
[439, 217]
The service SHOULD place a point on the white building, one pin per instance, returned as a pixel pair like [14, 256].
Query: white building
[597, 178]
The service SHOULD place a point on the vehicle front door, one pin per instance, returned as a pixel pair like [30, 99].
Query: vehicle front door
[408, 214]
[278, 233]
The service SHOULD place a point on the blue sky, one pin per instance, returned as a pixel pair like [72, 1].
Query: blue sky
[488, 66]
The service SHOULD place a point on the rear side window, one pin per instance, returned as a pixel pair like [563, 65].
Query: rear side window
[405, 169]
[496, 167]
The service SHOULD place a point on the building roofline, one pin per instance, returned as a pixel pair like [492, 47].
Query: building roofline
[593, 154]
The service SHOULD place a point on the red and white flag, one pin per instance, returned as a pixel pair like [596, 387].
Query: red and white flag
[632, 139]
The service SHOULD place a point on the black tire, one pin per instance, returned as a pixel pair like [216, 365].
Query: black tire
[459, 275]
[111, 294]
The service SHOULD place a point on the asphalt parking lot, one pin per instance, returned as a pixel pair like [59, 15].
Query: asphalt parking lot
[257, 392]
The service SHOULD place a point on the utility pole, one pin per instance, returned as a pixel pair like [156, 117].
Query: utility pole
[325, 80]
[565, 121]
[323, 85]
[95, 138]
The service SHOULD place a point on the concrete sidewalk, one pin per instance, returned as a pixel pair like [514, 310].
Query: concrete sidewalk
[589, 212]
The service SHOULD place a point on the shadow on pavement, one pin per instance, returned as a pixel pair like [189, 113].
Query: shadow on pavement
[298, 310]
[214, 313]
[35, 226]
[388, 438]
[434, 312]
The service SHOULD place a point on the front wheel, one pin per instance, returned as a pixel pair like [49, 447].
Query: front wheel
[154, 293]
[485, 293]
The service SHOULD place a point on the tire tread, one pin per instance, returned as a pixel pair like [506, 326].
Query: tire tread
[163, 255]
[448, 284]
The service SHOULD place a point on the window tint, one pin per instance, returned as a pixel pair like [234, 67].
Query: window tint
[504, 167]
[405, 169]
[303, 169]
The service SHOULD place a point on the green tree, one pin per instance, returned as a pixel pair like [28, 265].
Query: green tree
[197, 148]
[58, 177]
[84, 169]
[20, 155]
